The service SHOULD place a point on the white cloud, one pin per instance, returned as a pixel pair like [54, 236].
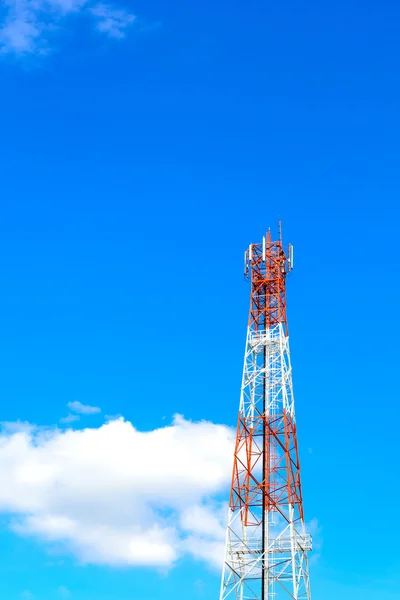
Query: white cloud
[205, 525]
[114, 495]
[112, 21]
[83, 409]
[314, 528]
[201, 520]
[27, 594]
[63, 592]
[16, 426]
[27, 26]
[70, 419]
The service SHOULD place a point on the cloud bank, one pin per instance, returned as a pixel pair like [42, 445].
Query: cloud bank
[117, 496]
[27, 27]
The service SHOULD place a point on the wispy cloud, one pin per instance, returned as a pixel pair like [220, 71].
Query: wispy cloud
[112, 21]
[315, 529]
[83, 409]
[63, 592]
[28, 27]
[17, 426]
[70, 418]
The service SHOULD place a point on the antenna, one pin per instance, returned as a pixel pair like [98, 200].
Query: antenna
[246, 263]
[280, 230]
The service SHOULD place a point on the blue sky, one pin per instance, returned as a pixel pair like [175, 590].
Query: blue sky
[144, 146]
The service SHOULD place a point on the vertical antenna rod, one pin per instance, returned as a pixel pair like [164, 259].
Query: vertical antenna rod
[266, 542]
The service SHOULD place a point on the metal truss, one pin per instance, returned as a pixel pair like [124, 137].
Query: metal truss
[266, 542]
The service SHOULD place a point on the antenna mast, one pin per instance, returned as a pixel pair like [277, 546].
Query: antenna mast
[266, 541]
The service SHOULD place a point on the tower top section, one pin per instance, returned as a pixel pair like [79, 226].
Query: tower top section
[259, 252]
[266, 264]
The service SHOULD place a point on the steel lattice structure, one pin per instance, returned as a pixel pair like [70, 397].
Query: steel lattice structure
[266, 542]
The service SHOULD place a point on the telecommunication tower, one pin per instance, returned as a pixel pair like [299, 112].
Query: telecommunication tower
[266, 542]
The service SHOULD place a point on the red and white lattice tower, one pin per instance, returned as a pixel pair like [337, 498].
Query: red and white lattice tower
[266, 542]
